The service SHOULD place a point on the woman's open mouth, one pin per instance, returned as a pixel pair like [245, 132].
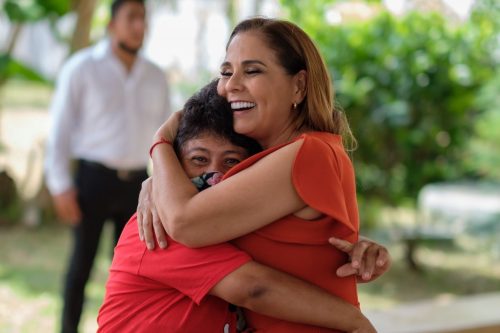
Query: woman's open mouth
[241, 106]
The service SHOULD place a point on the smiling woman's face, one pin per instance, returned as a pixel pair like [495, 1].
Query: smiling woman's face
[261, 93]
[210, 153]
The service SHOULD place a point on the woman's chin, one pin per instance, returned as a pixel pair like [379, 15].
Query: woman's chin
[242, 128]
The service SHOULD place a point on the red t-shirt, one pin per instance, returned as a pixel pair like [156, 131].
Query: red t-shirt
[323, 177]
[166, 290]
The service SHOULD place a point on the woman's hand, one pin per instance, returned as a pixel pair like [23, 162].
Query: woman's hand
[148, 219]
[369, 260]
[169, 128]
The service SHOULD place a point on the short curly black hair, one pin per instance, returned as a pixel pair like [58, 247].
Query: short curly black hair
[116, 4]
[206, 112]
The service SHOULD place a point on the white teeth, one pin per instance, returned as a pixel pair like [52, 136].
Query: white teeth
[241, 105]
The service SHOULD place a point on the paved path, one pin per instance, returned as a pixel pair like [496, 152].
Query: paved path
[470, 314]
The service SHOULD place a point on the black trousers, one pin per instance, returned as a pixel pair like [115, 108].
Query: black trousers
[103, 194]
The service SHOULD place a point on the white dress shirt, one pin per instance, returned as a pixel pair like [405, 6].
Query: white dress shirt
[102, 113]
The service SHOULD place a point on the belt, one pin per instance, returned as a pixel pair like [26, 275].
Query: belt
[121, 174]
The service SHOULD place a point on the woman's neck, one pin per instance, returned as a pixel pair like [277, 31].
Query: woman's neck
[282, 137]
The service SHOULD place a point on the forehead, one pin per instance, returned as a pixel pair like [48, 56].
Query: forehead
[249, 45]
[211, 143]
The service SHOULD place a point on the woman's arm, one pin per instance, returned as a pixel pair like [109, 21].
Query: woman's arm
[241, 204]
[276, 294]
[368, 259]
[148, 221]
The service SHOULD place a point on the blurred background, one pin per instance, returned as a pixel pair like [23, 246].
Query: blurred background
[419, 81]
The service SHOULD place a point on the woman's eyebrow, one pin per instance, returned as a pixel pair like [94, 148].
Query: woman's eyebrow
[245, 62]
[194, 149]
[238, 152]
[253, 62]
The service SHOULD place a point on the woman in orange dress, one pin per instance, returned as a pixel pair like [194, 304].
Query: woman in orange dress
[282, 205]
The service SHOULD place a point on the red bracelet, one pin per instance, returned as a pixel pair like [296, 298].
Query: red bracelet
[162, 140]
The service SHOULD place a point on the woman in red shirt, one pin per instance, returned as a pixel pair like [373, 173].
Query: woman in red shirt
[282, 205]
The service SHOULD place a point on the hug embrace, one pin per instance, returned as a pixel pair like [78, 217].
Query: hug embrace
[250, 221]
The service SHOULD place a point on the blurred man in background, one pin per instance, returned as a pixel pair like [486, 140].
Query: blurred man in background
[107, 105]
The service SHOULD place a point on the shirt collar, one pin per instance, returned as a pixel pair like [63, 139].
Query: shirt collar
[103, 49]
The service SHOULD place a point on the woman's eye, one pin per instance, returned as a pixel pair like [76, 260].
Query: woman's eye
[253, 71]
[199, 160]
[232, 161]
[225, 73]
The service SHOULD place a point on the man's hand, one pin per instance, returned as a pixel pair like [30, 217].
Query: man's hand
[67, 208]
[148, 221]
[369, 260]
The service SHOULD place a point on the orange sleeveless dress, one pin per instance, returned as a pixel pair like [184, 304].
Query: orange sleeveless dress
[323, 177]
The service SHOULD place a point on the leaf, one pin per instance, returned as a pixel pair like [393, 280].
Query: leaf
[12, 68]
[23, 10]
[58, 7]
[34, 10]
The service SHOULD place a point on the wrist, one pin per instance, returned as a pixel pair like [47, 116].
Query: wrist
[162, 135]
[158, 141]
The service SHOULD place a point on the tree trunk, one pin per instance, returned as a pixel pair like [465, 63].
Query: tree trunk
[81, 36]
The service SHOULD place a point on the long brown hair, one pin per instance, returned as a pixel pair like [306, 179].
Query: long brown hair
[295, 51]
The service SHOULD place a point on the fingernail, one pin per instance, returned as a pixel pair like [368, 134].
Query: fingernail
[150, 246]
[380, 263]
[162, 244]
[355, 264]
[366, 276]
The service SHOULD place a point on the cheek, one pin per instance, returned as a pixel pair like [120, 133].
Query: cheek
[225, 169]
[190, 169]
[221, 88]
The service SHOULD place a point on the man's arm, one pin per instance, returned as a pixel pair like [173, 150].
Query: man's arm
[57, 163]
[276, 294]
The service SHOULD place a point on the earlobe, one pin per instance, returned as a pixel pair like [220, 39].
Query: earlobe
[301, 84]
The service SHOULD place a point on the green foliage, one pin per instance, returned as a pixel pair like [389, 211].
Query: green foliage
[483, 153]
[22, 12]
[34, 10]
[12, 68]
[408, 86]
[310, 13]
[487, 14]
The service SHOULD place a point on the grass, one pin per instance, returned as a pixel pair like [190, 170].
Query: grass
[32, 268]
[446, 271]
[21, 94]
[33, 261]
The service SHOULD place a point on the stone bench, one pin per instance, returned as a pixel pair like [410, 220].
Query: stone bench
[447, 210]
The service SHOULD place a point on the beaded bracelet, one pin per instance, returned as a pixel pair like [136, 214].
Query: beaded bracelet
[162, 140]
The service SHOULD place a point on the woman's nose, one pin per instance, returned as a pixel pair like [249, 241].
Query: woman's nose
[234, 82]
